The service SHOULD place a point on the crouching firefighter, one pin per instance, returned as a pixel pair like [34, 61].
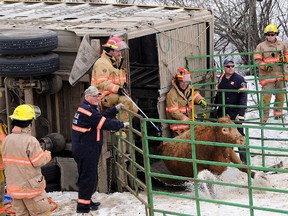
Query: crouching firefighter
[87, 140]
[23, 159]
[179, 101]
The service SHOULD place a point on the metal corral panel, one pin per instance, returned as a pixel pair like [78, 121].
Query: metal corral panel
[96, 19]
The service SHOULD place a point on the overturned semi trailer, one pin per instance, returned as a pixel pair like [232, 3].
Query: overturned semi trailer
[159, 39]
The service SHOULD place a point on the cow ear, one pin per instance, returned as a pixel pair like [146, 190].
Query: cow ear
[225, 130]
[227, 116]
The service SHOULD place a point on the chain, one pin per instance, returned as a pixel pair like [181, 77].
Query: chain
[110, 173]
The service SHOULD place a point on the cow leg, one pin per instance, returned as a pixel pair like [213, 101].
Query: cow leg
[236, 160]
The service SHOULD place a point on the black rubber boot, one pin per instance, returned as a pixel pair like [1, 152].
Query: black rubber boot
[85, 208]
[94, 205]
[242, 155]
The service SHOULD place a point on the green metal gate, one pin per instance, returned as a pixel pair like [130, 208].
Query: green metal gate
[137, 163]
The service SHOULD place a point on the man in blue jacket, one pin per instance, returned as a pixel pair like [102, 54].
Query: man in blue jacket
[87, 140]
[235, 102]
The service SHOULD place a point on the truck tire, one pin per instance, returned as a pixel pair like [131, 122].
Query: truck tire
[28, 65]
[27, 41]
[51, 172]
[52, 187]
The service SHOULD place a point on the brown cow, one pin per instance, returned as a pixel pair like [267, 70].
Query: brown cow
[222, 134]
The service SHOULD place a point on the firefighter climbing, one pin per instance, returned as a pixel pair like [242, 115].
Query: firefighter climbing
[111, 79]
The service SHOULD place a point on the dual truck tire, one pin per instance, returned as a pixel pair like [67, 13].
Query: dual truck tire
[26, 52]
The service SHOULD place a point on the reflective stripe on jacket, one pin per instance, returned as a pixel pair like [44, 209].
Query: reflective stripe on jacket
[270, 58]
[179, 106]
[88, 124]
[106, 76]
[23, 159]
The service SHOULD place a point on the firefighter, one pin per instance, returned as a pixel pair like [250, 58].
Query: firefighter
[23, 159]
[179, 101]
[87, 141]
[110, 78]
[3, 133]
[232, 80]
[271, 76]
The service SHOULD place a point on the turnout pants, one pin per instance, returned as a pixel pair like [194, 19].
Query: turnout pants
[279, 98]
[36, 206]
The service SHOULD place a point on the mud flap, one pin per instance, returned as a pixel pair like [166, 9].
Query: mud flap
[85, 59]
[69, 173]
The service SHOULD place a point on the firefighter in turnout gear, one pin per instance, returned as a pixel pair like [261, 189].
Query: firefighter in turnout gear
[110, 78]
[3, 134]
[233, 81]
[23, 159]
[87, 140]
[179, 101]
[271, 77]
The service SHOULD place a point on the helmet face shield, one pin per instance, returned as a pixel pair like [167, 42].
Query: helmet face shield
[186, 78]
[116, 43]
[121, 46]
[37, 111]
[183, 75]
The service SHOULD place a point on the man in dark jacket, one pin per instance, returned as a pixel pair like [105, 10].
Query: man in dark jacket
[87, 140]
[235, 102]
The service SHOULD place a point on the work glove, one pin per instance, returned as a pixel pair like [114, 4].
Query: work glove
[47, 153]
[203, 103]
[203, 115]
[282, 59]
[119, 106]
[125, 86]
[126, 124]
[239, 118]
[121, 91]
[268, 69]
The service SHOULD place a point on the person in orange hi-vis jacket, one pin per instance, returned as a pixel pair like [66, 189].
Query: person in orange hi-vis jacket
[23, 159]
[271, 77]
[3, 133]
[110, 79]
[179, 101]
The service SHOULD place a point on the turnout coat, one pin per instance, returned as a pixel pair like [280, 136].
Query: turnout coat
[179, 105]
[268, 53]
[23, 159]
[107, 76]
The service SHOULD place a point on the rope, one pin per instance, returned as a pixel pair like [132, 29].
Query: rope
[6, 208]
[110, 174]
[54, 203]
[189, 44]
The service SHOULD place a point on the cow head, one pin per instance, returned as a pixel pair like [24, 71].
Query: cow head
[228, 134]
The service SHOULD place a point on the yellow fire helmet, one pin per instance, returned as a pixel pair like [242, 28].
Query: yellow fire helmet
[25, 112]
[271, 28]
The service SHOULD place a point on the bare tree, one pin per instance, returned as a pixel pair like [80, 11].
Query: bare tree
[239, 24]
